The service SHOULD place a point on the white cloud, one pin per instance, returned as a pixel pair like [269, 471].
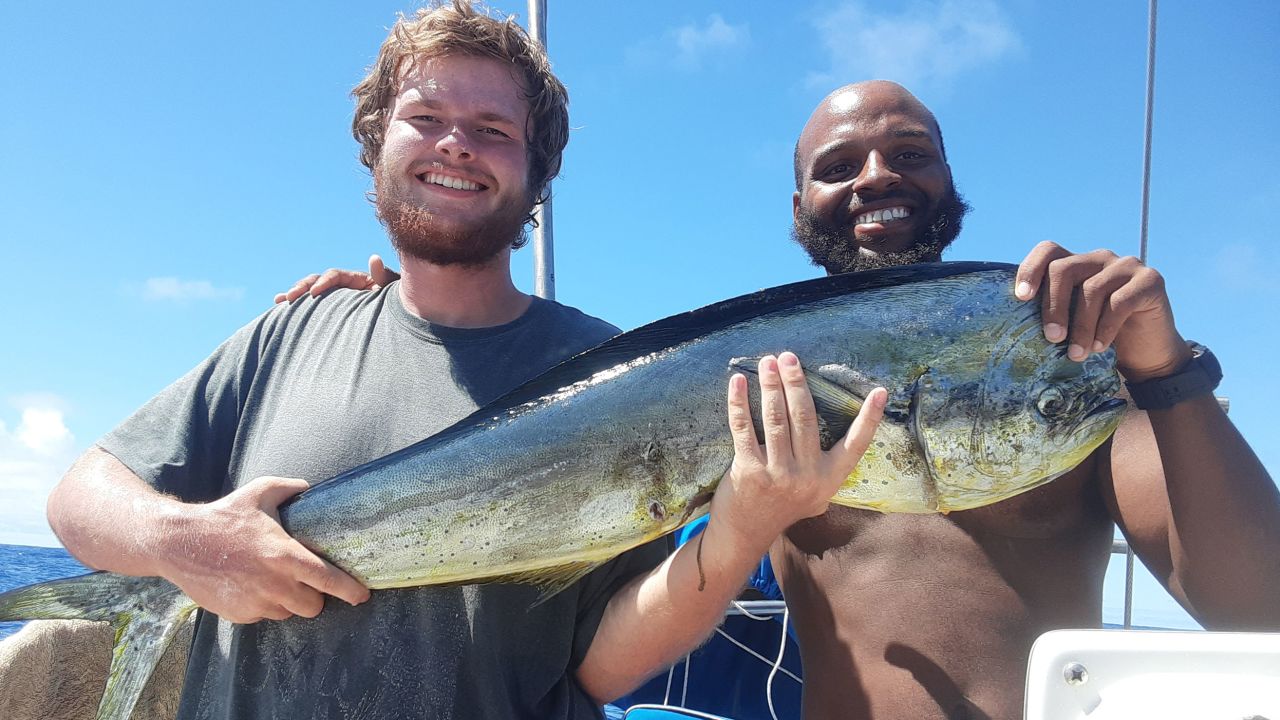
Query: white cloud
[43, 431]
[33, 456]
[691, 45]
[163, 289]
[717, 37]
[921, 43]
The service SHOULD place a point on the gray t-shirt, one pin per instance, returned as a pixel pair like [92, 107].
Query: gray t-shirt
[313, 389]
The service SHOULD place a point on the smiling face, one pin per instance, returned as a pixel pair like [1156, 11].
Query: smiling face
[874, 188]
[452, 178]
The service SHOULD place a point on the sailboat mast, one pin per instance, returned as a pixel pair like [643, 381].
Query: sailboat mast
[544, 270]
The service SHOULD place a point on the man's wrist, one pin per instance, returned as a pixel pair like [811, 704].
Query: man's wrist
[732, 550]
[1197, 375]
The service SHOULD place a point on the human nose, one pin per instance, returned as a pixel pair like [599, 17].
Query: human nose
[454, 143]
[877, 175]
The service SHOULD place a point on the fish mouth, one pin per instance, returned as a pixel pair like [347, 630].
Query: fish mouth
[1107, 411]
[1106, 406]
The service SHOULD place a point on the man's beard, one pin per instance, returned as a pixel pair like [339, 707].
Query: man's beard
[417, 232]
[834, 247]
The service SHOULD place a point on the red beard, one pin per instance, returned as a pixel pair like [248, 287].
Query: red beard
[416, 231]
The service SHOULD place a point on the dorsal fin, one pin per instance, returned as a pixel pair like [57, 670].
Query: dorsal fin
[672, 331]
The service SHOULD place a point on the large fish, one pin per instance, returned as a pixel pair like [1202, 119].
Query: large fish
[625, 442]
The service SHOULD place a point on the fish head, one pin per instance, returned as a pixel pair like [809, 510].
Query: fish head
[1013, 417]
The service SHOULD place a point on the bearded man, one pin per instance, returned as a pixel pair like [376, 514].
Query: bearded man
[933, 616]
[462, 124]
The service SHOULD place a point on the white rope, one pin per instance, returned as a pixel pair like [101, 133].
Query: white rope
[684, 692]
[777, 664]
[758, 656]
[666, 697]
[747, 613]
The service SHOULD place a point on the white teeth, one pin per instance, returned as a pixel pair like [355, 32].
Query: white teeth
[451, 182]
[875, 216]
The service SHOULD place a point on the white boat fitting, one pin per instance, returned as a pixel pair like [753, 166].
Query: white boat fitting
[1172, 675]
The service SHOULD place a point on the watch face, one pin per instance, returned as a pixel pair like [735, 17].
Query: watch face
[1206, 361]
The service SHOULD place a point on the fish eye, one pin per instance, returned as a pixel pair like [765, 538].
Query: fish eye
[1051, 402]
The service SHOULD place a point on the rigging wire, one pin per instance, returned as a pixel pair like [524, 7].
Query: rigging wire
[1146, 135]
[1142, 237]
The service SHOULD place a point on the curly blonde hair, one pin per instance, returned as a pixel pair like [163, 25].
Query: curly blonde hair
[460, 29]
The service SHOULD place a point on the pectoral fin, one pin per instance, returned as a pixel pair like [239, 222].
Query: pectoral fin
[836, 405]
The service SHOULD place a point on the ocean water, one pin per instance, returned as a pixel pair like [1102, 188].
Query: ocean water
[22, 565]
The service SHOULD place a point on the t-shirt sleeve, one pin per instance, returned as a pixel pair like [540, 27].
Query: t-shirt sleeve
[599, 587]
[180, 442]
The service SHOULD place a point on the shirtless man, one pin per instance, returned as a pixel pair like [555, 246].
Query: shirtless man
[919, 616]
[933, 616]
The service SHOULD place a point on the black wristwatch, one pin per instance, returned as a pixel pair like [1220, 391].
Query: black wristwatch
[1199, 376]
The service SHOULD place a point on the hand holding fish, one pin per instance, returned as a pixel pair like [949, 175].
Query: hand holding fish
[233, 559]
[1118, 300]
[791, 478]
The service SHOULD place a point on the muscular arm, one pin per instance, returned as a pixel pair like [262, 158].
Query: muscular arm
[230, 556]
[1201, 511]
[1183, 485]
[660, 616]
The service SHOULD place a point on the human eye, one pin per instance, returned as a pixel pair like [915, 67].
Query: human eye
[913, 156]
[494, 132]
[835, 171]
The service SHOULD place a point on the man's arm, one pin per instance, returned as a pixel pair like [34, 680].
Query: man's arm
[659, 616]
[230, 556]
[1201, 511]
[1186, 489]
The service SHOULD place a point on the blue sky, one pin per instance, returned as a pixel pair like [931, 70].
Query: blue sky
[166, 167]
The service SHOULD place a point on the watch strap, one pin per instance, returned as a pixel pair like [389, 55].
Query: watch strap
[1200, 375]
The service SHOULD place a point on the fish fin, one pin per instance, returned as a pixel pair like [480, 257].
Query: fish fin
[837, 405]
[551, 581]
[145, 612]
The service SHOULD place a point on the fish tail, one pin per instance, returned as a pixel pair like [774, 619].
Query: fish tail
[146, 613]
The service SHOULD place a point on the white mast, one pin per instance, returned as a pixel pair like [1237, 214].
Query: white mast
[544, 270]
